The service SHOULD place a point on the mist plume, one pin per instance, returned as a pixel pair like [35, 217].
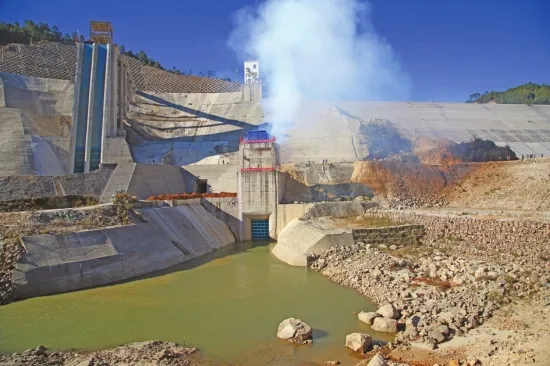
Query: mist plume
[316, 50]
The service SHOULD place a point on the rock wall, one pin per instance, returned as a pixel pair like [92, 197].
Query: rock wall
[480, 236]
[393, 235]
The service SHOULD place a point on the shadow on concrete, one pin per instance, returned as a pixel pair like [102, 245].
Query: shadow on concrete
[198, 114]
[144, 145]
[232, 222]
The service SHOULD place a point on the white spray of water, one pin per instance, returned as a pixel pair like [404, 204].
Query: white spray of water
[316, 50]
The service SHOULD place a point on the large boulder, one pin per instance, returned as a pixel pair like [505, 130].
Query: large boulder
[377, 360]
[436, 335]
[384, 325]
[388, 311]
[367, 317]
[358, 341]
[294, 330]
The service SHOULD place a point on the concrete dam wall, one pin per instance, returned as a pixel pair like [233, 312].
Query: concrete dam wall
[72, 261]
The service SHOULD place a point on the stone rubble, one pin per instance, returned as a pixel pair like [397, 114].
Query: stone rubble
[433, 296]
[140, 353]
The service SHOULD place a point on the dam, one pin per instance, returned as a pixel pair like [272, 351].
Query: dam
[180, 186]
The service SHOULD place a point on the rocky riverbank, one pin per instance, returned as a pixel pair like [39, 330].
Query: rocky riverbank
[439, 291]
[140, 353]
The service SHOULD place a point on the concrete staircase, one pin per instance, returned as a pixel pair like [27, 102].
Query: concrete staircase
[120, 180]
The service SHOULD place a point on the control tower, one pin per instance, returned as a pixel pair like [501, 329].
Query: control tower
[258, 184]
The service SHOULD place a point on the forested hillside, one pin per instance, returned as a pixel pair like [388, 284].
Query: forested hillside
[31, 32]
[528, 93]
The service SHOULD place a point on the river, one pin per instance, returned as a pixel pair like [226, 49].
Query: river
[227, 304]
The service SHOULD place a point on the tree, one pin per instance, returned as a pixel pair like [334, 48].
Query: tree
[529, 93]
[473, 97]
[30, 32]
[142, 56]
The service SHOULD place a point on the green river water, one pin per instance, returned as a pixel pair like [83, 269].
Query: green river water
[228, 304]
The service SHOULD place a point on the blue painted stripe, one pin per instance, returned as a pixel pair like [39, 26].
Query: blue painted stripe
[80, 123]
[97, 123]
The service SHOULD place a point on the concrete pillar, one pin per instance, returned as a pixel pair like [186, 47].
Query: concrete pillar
[114, 107]
[127, 90]
[121, 77]
[76, 96]
[89, 124]
[273, 224]
[107, 103]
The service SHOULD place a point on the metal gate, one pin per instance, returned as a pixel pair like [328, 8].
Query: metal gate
[260, 229]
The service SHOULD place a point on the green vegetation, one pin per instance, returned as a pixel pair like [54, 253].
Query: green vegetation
[123, 203]
[31, 33]
[528, 93]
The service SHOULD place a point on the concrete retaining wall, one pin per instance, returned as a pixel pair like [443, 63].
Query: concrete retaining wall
[285, 214]
[224, 209]
[392, 235]
[66, 262]
[301, 238]
[150, 180]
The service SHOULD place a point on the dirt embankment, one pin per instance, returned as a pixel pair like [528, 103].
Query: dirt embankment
[518, 185]
[506, 185]
[407, 184]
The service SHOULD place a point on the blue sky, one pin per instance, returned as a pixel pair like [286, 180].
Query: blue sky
[450, 48]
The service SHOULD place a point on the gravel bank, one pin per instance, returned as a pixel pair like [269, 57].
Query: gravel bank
[140, 353]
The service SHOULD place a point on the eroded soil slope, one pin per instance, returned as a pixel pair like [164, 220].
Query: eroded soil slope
[503, 185]
[409, 183]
